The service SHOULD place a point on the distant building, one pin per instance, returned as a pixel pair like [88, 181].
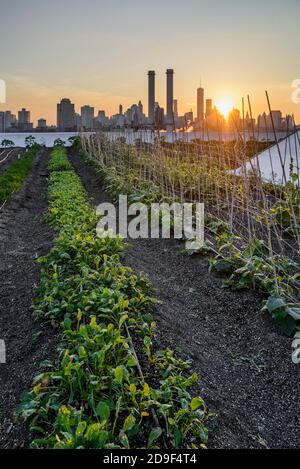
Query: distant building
[200, 105]
[266, 122]
[87, 117]
[117, 121]
[215, 121]
[101, 120]
[41, 125]
[78, 124]
[141, 108]
[175, 107]
[179, 121]
[188, 118]
[249, 123]
[24, 116]
[234, 120]
[277, 119]
[262, 121]
[209, 108]
[120, 110]
[134, 116]
[288, 123]
[24, 124]
[2, 122]
[159, 115]
[66, 121]
[8, 121]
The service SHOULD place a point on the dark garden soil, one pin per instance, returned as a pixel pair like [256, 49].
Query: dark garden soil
[23, 238]
[12, 155]
[246, 374]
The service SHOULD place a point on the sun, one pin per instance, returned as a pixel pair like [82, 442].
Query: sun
[225, 106]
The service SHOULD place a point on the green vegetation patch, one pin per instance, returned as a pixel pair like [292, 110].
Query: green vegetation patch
[13, 178]
[95, 396]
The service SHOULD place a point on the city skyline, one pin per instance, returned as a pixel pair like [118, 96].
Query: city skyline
[95, 62]
[224, 105]
[208, 116]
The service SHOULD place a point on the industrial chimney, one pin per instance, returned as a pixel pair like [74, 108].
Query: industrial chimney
[170, 99]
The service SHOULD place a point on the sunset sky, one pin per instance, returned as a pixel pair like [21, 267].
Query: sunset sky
[98, 52]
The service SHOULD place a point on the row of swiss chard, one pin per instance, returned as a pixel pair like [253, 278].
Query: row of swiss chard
[95, 397]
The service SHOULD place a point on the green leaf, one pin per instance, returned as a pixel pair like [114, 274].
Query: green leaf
[129, 423]
[82, 352]
[287, 325]
[222, 266]
[274, 303]
[177, 436]
[154, 435]
[67, 324]
[119, 374]
[81, 429]
[131, 361]
[147, 342]
[294, 313]
[196, 403]
[147, 390]
[103, 411]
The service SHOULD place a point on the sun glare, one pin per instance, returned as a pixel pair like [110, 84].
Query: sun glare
[225, 106]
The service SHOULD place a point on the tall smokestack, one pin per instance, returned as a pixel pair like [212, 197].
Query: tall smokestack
[170, 99]
[151, 95]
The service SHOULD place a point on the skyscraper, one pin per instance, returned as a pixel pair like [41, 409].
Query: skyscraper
[159, 116]
[24, 116]
[8, 121]
[277, 119]
[2, 122]
[87, 117]
[175, 107]
[170, 99]
[42, 124]
[66, 116]
[141, 107]
[24, 123]
[151, 96]
[209, 107]
[200, 104]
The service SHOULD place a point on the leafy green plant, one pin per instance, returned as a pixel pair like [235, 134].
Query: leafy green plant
[285, 314]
